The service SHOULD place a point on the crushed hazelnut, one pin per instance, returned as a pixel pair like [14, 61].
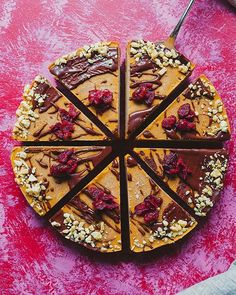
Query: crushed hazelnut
[159, 54]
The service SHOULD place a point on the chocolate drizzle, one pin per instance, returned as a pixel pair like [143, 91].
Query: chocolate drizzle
[156, 81]
[175, 212]
[52, 95]
[148, 134]
[78, 70]
[88, 130]
[136, 118]
[131, 162]
[142, 65]
[113, 214]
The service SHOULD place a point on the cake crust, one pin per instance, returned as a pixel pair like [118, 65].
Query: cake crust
[153, 71]
[94, 69]
[196, 176]
[45, 114]
[46, 174]
[92, 217]
[155, 219]
[197, 114]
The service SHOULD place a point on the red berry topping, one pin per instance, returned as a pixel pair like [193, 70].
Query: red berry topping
[152, 202]
[100, 99]
[174, 165]
[184, 125]
[144, 93]
[151, 216]
[70, 115]
[64, 157]
[102, 200]
[169, 122]
[185, 112]
[63, 130]
[148, 208]
[141, 209]
[67, 165]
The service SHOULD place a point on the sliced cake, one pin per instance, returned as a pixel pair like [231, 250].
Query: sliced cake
[47, 174]
[155, 219]
[92, 74]
[46, 115]
[153, 72]
[196, 176]
[198, 113]
[92, 217]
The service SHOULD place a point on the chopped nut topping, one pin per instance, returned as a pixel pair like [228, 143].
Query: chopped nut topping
[200, 88]
[213, 180]
[77, 231]
[160, 55]
[172, 230]
[100, 48]
[26, 177]
[219, 122]
[25, 113]
[203, 89]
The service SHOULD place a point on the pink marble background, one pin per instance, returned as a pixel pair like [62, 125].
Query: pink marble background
[33, 259]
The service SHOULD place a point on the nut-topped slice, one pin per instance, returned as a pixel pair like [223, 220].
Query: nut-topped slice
[92, 217]
[196, 176]
[46, 174]
[46, 115]
[155, 219]
[92, 74]
[198, 113]
[153, 72]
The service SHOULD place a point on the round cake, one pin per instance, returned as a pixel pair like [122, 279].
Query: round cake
[121, 172]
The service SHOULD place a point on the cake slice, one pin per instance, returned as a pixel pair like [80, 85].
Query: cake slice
[155, 219]
[198, 113]
[153, 72]
[92, 74]
[46, 174]
[46, 115]
[92, 217]
[196, 176]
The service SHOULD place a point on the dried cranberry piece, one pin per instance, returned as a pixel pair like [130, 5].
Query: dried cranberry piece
[151, 216]
[169, 122]
[148, 208]
[170, 164]
[183, 169]
[70, 115]
[100, 99]
[174, 165]
[184, 125]
[144, 93]
[63, 170]
[102, 200]
[94, 192]
[63, 130]
[185, 112]
[141, 209]
[65, 156]
[152, 202]
[67, 166]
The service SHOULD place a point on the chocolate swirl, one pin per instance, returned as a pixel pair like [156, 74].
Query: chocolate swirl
[78, 70]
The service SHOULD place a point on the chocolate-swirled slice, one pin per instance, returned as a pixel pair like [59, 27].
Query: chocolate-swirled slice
[155, 219]
[92, 74]
[46, 174]
[45, 114]
[92, 217]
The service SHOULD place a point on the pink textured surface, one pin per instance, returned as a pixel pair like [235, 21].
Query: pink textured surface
[33, 259]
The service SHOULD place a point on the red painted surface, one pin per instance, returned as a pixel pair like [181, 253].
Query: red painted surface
[33, 259]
